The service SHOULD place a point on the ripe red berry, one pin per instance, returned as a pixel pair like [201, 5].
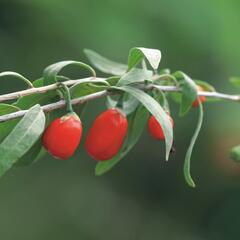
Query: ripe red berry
[202, 99]
[62, 136]
[155, 129]
[107, 134]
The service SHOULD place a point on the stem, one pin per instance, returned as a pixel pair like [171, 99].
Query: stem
[120, 101]
[62, 103]
[56, 105]
[18, 94]
[67, 96]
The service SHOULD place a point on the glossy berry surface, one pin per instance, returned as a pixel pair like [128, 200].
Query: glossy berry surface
[202, 99]
[155, 129]
[62, 137]
[107, 134]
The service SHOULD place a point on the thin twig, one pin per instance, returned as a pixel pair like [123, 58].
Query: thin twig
[54, 106]
[62, 103]
[18, 94]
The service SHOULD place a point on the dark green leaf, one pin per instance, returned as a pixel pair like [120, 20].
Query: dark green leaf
[153, 56]
[135, 75]
[189, 91]
[136, 124]
[22, 138]
[50, 73]
[235, 153]
[155, 109]
[7, 127]
[187, 160]
[105, 65]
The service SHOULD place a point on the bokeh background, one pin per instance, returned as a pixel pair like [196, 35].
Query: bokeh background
[143, 197]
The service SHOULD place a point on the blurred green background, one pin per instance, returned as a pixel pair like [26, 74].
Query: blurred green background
[143, 197]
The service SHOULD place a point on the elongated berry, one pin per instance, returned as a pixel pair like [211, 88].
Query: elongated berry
[155, 129]
[202, 99]
[62, 137]
[107, 134]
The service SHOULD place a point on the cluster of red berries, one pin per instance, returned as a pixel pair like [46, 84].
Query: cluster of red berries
[104, 139]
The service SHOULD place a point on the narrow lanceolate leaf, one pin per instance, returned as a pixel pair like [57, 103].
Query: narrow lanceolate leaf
[189, 91]
[7, 127]
[136, 124]
[153, 56]
[50, 73]
[235, 154]
[155, 109]
[186, 168]
[16, 75]
[135, 75]
[105, 65]
[22, 138]
[129, 104]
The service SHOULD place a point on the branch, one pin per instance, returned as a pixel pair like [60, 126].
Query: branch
[15, 95]
[62, 103]
[54, 106]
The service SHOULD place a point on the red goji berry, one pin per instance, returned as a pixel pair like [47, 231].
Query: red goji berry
[155, 129]
[107, 134]
[62, 136]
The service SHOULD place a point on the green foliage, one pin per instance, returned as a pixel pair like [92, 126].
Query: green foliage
[153, 56]
[189, 91]
[135, 75]
[155, 109]
[105, 65]
[51, 72]
[22, 138]
[137, 90]
[6, 127]
[187, 162]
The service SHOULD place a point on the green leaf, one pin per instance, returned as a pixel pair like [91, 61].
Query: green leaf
[187, 161]
[136, 124]
[83, 89]
[22, 138]
[113, 80]
[153, 56]
[7, 127]
[16, 75]
[235, 81]
[135, 75]
[206, 86]
[189, 91]
[235, 153]
[30, 156]
[50, 73]
[128, 106]
[155, 109]
[105, 65]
